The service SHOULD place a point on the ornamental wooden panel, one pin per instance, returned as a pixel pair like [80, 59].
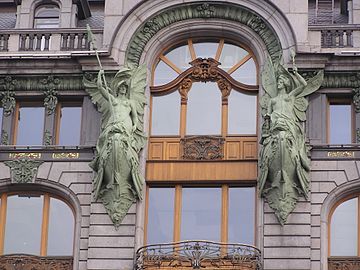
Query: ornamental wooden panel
[201, 171]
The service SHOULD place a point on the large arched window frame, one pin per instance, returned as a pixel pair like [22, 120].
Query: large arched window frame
[47, 16]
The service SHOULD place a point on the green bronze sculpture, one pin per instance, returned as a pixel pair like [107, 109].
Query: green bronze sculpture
[284, 163]
[118, 181]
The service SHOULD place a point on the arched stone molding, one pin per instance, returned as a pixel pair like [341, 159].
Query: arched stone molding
[334, 196]
[60, 191]
[149, 17]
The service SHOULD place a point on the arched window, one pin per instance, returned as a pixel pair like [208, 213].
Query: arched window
[203, 128]
[47, 16]
[344, 231]
[36, 224]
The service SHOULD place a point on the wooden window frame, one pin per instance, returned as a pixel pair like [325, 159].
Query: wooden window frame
[178, 209]
[44, 223]
[340, 101]
[43, 6]
[183, 109]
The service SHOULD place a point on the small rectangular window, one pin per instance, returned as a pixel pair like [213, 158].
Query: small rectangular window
[69, 125]
[30, 125]
[340, 130]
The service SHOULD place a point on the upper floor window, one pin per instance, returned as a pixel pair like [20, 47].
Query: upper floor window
[47, 16]
[204, 88]
[340, 121]
[36, 224]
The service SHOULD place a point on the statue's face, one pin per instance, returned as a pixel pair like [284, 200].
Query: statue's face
[122, 88]
[282, 82]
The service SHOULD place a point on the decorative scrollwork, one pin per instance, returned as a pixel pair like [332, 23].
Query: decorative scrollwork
[21, 261]
[197, 255]
[206, 10]
[47, 138]
[23, 170]
[356, 99]
[184, 89]
[345, 263]
[4, 137]
[8, 101]
[205, 69]
[225, 88]
[50, 100]
[202, 147]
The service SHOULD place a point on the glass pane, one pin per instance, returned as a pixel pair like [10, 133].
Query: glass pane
[242, 113]
[23, 225]
[166, 114]
[343, 229]
[201, 214]
[70, 124]
[30, 126]
[180, 57]
[164, 74]
[231, 55]
[246, 73]
[241, 215]
[340, 124]
[206, 49]
[204, 109]
[160, 215]
[61, 229]
[46, 23]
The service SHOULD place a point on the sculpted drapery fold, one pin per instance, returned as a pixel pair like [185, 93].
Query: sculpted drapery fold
[118, 181]
[284, 162]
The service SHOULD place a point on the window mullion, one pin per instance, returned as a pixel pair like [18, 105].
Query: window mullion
[177, 212]
[146, 213]
[224, 213]
[3, 208]
[219, 49]
[191, 49]
[45, 225]
[183, 120]
[358, 227]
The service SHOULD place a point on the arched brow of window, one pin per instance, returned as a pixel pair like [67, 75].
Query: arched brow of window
[47, 16]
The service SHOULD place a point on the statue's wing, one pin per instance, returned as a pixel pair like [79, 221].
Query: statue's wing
[300, 107]
[268, 78]
[138, 98]
[96, 97]
[313, 84]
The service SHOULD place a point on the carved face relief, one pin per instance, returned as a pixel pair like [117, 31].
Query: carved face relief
[122, 88]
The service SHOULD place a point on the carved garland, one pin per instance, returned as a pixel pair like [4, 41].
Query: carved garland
[219, 10]
[203, 70]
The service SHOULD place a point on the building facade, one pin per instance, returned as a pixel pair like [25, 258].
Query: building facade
[207, 99]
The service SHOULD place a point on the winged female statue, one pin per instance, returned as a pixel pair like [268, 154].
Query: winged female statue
[284, 162]
[118, 181]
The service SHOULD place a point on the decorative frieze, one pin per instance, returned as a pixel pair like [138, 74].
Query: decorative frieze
[11, 262]
[23, 170]
[202, 147]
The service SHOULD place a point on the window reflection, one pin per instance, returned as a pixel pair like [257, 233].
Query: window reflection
[340, 124]
[70, 125]
[30, 126]
[166, 114]
[204, 109]
[344, 229]
[23, 225]
[161, 215]
[201, 214]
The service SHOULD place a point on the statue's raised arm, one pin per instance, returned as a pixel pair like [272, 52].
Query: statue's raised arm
[118, 181]
[284, 163]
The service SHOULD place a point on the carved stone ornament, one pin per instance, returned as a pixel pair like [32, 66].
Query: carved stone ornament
[47, 138]
[4, 137]
[358, 135]
[23, 170]
[205, 69]
[50, 93]
[345, 263]
[202, 147]
[25, 262]
[218, 10]
[8, 102]
[356, 99]
[184, 89]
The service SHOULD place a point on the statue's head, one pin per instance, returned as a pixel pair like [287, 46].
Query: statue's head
[283, 82]
[122, 87]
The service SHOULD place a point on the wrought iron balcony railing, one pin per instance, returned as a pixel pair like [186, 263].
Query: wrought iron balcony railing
[343, 263]
[25, 262]
[198, 255]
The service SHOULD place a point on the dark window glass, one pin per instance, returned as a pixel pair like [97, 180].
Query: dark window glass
[70, 126]
[47, 16]
[30, 126]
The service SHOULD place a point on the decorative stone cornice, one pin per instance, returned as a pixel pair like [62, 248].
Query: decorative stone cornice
[215, 10]
[23, 170]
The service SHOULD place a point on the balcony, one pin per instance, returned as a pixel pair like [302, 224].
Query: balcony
[198, 255]
[348, 263]
[21, 261]
[46, 40]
